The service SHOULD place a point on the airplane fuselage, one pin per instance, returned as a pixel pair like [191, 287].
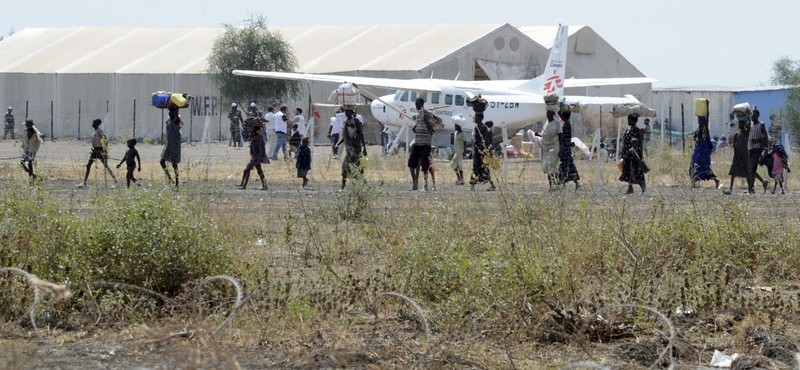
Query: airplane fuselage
[452, 101]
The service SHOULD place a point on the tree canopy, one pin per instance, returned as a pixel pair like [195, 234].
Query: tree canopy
[786, 71]
[252, 47]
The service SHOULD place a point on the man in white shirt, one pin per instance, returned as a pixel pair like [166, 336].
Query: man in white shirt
[386, 133]
[300, 121]
[269, 129]
[333, 133]
[280, 133]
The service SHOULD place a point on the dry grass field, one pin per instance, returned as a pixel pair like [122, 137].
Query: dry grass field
[378, 277]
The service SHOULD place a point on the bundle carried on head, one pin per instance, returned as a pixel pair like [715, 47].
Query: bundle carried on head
[479, 104]
[168, 100]
[640, 110]
[551, 102]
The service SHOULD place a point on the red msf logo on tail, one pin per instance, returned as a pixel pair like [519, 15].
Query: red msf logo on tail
[552, 83]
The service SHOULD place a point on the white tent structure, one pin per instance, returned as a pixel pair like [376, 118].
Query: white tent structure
[64, 77]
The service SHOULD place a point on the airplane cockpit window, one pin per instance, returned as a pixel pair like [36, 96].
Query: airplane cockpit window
[460, 100]
[448, 99]
[398, 94]
[405, 96]
[435, 98]
[414, 96]
[424, 96]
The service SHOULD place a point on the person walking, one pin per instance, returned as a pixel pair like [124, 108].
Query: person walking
[303, 163]
[700, 166]
[333, 132]
[481, 145]
[8, 119]
[268, 130]
[740, 166]
[130, 159]
[552, 135]
[280, 133]
[780, 162]
[566, 170]
[31, 141]
[253, 118]
[421, 149]
[459, 145]
[354, 145]
[172, 148]
[258, 155]
[235, 116]
[99, 152]
[759, 139]
[631, 154]
[300, 121]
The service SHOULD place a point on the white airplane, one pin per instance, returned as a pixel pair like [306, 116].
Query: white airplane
[514, 104]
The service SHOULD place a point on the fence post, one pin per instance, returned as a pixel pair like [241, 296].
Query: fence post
[79, 119]
[52, 135]
[683, 130]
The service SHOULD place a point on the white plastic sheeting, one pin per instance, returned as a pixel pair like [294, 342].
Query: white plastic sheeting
[502, 71]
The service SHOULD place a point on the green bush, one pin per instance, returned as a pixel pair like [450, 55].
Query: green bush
[156, 241]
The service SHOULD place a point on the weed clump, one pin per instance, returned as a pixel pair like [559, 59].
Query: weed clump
[148, 240]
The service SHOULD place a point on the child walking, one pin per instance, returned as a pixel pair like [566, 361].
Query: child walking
[780, 161]
[130, 159]
[99, 152]
[304, 161]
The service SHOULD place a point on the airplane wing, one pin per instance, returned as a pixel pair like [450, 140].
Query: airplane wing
[587, 82]
[421, 85]
[597, 100]
[518, 98]
[570, 99]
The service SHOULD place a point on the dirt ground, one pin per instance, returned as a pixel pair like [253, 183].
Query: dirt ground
[354, 342]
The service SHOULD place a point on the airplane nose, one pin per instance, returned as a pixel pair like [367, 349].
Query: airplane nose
[379, 111]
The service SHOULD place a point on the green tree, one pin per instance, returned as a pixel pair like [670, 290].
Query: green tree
[786, 71]
[252, 47]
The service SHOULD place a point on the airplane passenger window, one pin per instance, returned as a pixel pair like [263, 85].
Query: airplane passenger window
[405, 96]
[424, 96]
[435, 98]
[448, 99]
[459, 99]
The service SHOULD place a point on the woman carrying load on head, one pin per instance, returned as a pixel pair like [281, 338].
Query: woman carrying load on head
[631, 148]
[700, 167]
[567, 171]
[551, 136]
[740, 167]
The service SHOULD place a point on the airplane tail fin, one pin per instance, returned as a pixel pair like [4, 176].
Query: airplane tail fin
[552, 80]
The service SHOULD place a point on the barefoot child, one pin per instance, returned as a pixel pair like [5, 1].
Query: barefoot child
[304, 161]
[130, 159]
[99, 152]
[779, 162]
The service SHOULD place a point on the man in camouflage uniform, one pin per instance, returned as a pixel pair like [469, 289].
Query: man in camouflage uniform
[8, 118]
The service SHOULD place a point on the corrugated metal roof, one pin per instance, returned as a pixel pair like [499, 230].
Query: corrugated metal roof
[319, 49]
